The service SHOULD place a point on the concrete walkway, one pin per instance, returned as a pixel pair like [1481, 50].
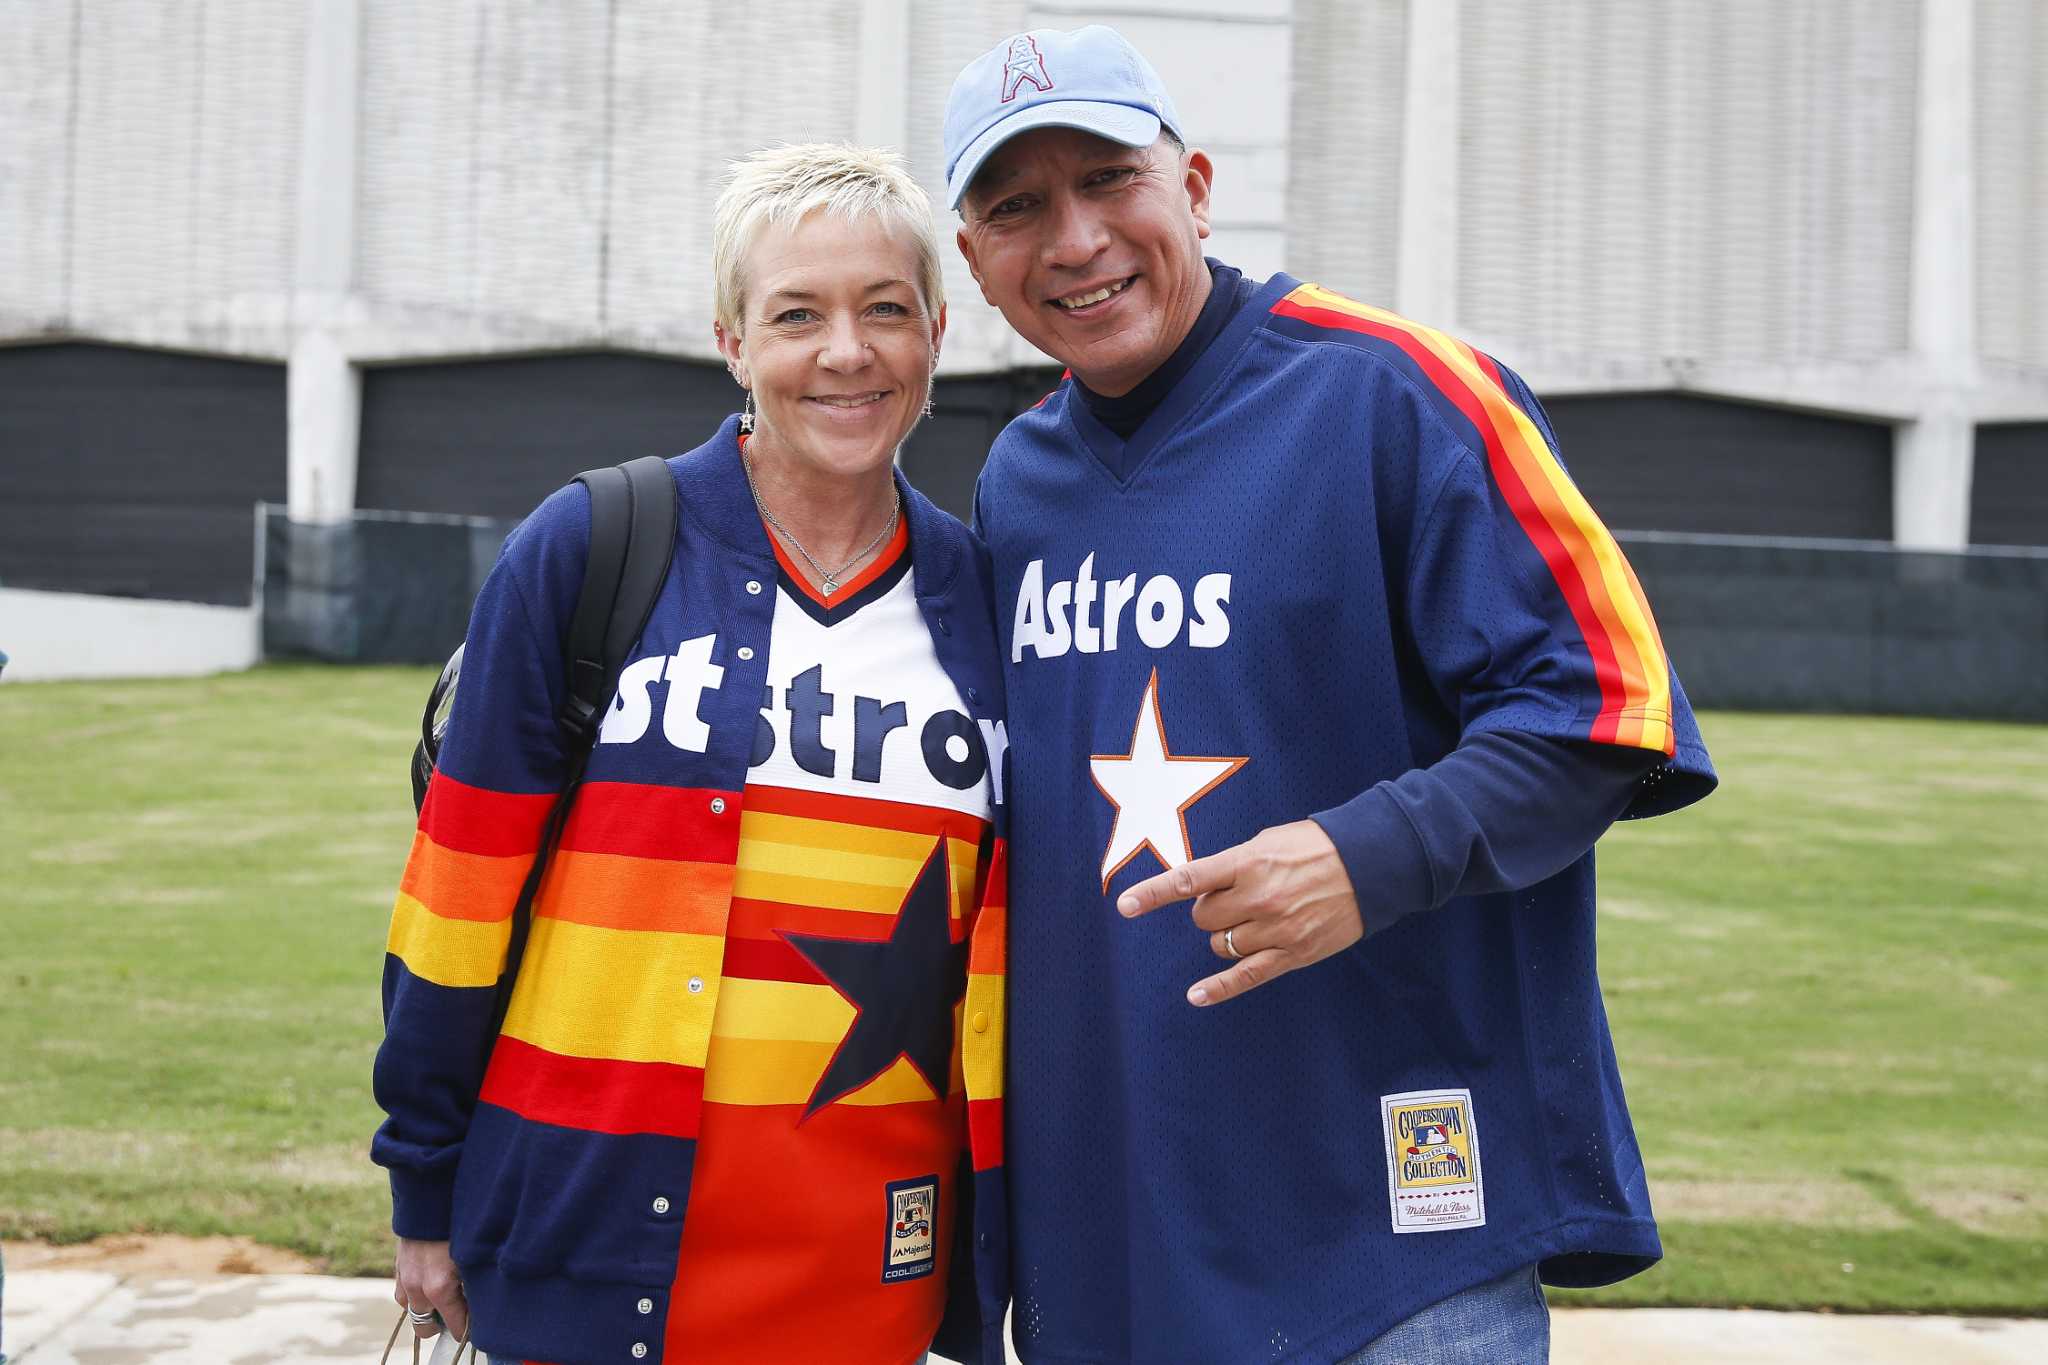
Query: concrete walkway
[73, 1317]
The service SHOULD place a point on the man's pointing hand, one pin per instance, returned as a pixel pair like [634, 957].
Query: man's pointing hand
[1278, 901]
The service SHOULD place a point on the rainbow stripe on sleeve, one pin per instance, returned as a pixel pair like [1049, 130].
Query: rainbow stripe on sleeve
[1590, 572]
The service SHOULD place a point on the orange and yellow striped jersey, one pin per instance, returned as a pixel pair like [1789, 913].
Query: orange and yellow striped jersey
[835, 1114]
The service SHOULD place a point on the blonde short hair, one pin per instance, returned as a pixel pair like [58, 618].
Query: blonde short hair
[780, 185]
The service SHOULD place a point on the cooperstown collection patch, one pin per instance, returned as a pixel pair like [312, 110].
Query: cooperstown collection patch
[909, 1247]
[1433, 1177]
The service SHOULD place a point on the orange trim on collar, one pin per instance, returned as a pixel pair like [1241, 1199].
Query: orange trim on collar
[885, 558]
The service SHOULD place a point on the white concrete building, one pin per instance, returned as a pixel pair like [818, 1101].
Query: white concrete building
[1834, 208]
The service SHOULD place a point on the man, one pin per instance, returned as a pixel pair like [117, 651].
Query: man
[1304, 621]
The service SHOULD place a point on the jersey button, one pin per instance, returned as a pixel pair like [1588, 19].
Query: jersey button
[753, 587]
[746, 652]
[981, 1021]
[974, 695]
[645, 1306]
[639, 1350]
[718, 805]
[696, 984]
[661, 1204]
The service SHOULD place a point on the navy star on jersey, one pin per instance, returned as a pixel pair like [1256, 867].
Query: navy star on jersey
[902, 989]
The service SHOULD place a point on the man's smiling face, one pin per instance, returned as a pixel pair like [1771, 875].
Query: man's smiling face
[1092, 250]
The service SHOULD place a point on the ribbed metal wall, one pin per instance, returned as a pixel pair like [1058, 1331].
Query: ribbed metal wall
[37, 81]
[147, 164]
[1720, 181]
[1344, 159]
[2012, 181]
[553, 166]
[946, 35]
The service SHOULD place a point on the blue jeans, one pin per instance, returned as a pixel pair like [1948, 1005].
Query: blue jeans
[1502, 1322]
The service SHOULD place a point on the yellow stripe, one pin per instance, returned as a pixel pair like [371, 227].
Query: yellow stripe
[845, 881]
[791, 1011]
[806, 832]
[982, 1051]
[1651, 686]
[621, 994]
[760, 1071]
[447, 952]
[897, 867]
[1651, 683]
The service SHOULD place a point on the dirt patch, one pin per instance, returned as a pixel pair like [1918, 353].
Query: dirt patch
[1813, 1203]
[1619, 908]
[159, 1255]
[1995, 1212]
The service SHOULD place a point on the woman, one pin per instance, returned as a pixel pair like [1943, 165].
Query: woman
[726, 1118]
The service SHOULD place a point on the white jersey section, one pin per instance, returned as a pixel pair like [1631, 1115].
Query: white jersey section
[897, 729]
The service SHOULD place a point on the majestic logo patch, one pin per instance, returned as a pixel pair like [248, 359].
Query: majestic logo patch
[909, 1248]
[1023, 62]
[1433, 1179]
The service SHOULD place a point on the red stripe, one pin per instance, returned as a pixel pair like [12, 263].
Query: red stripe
[478, 820]
[985, 1133]
[1606, 671]
[643, 820]
[868, 811]
[762, 919]
[1606, 727]
[1065, 375]
[765, 959]
[593, 1094]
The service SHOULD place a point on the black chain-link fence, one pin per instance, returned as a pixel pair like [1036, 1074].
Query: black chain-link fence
[1752, 624]
[1784, 625]
[385, 587]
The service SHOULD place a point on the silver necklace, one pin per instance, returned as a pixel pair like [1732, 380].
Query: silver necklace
[830, 576]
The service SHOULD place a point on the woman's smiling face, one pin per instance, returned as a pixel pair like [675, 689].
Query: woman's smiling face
[835, 341]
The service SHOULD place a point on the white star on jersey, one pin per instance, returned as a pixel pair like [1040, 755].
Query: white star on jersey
[1152, 788]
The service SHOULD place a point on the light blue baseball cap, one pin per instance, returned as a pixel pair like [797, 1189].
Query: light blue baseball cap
[1089, 78]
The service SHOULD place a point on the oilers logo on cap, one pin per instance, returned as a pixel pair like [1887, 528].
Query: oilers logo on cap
[1088, 78]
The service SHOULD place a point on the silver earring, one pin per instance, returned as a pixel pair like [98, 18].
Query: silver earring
[747, 414]
[931, 386]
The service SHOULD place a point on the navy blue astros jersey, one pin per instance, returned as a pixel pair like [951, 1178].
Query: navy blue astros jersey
[1343, 543]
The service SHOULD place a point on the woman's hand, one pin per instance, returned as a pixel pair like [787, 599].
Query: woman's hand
[428, 1282]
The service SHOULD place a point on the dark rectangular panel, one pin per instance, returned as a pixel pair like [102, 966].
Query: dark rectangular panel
[1753, 625]
[945, 454]
[494, 437]
[2009, 488]
[1675, 462]
[135, 473]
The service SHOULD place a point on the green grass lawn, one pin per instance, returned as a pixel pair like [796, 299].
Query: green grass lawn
[1829, 986]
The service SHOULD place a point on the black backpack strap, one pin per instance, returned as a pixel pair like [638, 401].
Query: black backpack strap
[632, 543]
[611, 526]
[650, 549]
[632, 540]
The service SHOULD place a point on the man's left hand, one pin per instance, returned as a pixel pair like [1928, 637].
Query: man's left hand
[1282, 899]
